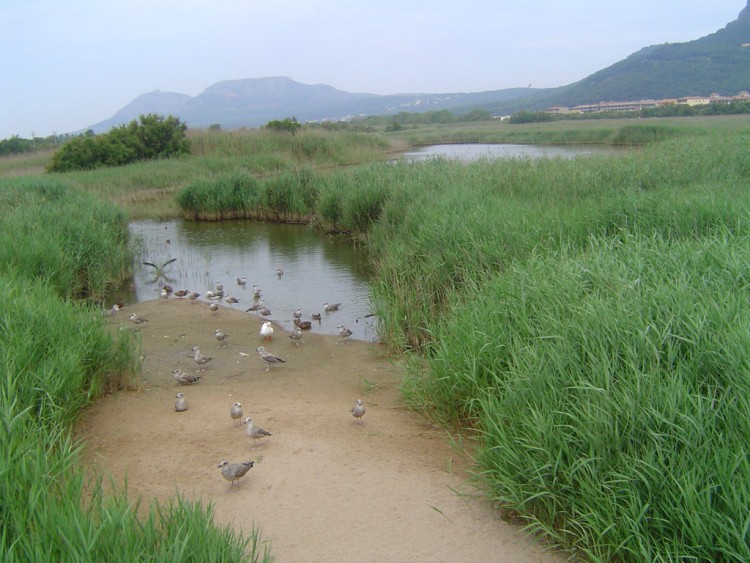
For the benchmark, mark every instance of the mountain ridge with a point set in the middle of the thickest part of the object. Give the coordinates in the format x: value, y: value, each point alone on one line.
x: 718, y: 62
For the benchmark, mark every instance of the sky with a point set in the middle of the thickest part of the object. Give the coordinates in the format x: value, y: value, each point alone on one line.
x: 68, y: 64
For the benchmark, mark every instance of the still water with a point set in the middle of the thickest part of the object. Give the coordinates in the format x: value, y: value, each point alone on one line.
x: 475, y: 151
x: 317, y: 269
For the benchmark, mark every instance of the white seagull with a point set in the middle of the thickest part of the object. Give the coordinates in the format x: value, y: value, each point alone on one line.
x: 199, y: 358
x: 180, y: 404
x: 266, y: 331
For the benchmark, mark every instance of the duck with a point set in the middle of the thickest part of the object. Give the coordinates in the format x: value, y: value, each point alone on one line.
x: 302, y: 325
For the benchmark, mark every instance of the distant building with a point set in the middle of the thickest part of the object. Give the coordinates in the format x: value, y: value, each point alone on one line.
x: 600, y: 107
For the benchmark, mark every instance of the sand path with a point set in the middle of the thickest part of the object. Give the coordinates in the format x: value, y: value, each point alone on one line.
x: 323, y: 488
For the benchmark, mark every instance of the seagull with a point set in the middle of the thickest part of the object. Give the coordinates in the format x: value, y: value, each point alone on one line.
x: 231, y: 300
x: 157, y: 268
x: 210, y: 294
x: 265, y: 311
x: 220, y: 336
x: 137, y: 319
x: 328, y: 307
x: 164, y: 294
x: 194, y: 295
x: 358, y: 411
x: 298, y: 313
x: 213, y: 306
x: 199, y: 358
x: 255, y: 306
x: 279, y: 272
x: 180, y: 404
x: 116, y: 308
x: 266, y: 331
x: 255, y: 432
x: 185, y: 378
x: 256, y: 292
x: 235, y: 411
x: 241, y: 281
x: 219, y: 286
x: 344, y: 332
x: 234, y: 471
x: 181, y: 293
x: 302, y: 325
x: 296, y: 335
x: 269, y: 358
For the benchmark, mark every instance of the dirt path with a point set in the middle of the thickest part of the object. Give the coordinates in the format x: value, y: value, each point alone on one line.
x: 323, y: 488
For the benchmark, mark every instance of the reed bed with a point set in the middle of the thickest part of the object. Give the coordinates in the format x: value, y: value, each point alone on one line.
x: 58, y: 357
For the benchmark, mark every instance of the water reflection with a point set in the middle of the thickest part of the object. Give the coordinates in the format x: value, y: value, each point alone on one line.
x: 474, y: 151
x: 316, y: 269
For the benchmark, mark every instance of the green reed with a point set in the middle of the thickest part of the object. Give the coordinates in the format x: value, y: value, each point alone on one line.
x: 75, y: 242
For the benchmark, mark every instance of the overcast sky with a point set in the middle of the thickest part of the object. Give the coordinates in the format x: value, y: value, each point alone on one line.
x: 68, y: 64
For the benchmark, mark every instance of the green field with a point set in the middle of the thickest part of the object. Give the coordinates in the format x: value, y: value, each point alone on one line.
x: 586, y: 320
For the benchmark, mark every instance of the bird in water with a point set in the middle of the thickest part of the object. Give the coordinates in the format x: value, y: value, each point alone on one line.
x: 316, y: 317
x: 298, y: 313
x: 358, y: 411
x: 255, y: 432
x: 279, y: 272
x: 266, y: 331
x: 241, y: 281
x: 180, y: 404
x: 235, y: 411
x: 160, y: 269
x: 234, y: 471
x: 269, y: 358
x: 328, y: 307
x: 256, y: 292
x: 302, y: 325
x: 265, y: 312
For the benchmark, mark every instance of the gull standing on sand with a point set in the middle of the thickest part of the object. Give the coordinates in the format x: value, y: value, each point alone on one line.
x: 137, y: 319
x: 185, y: 378
x: 180, y: 404
x: 234, y: 471
x: 296, y: 335
x: 231, y: 300
x: 269, y: 358
x: 199, y: 358
x: 214, y: 307
x: 235, y: 411
x: 344, y: 332
x: 220, y: 336
x: 266, y: 331
x: 255, y: 432
x: 358, y: 411
x: 193, y: 296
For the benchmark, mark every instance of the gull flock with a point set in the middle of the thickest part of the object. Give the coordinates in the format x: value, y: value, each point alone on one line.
x: 233, y: 472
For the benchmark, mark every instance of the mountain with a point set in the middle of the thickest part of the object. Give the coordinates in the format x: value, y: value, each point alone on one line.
x: 252, y: 102
x: 719, y: 62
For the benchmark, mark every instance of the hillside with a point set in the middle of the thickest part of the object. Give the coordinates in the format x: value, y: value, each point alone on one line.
x: 715, y: 63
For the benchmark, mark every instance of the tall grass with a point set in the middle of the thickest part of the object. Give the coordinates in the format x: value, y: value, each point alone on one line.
x: 58, y: 357
x: 611, y: 388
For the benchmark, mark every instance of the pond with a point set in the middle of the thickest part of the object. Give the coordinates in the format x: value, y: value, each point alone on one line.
x: 474, y: 151
x: 316, y: 269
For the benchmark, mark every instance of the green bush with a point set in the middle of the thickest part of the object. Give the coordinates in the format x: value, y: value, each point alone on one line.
x: 150, y: 138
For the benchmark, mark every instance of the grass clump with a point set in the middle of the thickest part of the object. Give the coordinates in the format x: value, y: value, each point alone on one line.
x: 57, y: 358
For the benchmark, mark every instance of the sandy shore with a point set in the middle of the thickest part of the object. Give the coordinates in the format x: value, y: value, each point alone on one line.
x: 323, y: 488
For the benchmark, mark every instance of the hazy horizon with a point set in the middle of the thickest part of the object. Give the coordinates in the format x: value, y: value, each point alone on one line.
x: 67, y: 67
